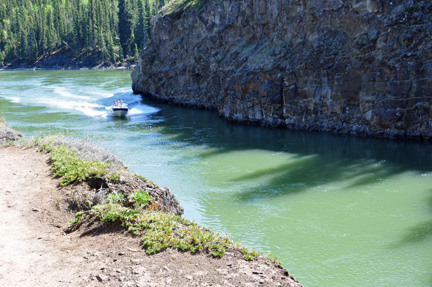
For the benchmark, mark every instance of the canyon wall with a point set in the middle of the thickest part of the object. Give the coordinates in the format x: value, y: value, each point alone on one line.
x: 358, y: 66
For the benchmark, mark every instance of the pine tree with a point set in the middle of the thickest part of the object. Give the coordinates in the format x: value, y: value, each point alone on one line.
x: 108, y: 30
x: 126, y: 26
x: 141, y: 25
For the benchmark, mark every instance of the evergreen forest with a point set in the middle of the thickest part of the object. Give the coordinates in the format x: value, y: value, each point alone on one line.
x: 105, y: 31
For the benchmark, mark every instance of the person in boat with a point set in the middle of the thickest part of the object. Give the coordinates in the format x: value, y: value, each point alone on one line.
x: 115, y: 104
x: 120, y: 101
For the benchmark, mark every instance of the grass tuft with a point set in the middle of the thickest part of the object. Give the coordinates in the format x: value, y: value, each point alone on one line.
x: 160, y: 231
x: 70, y: 168
x: 79, y: 160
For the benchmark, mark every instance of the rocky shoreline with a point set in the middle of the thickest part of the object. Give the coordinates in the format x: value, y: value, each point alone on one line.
x: 67, y: 67
x: 63, y: 61
x: 349, y: 67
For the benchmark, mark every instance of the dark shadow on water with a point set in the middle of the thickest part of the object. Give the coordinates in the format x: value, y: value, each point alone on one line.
x: 417, y: 233
x: 198, y: 127
x: 311, y: 172
x: 337, y: 155
x: 318, y: 158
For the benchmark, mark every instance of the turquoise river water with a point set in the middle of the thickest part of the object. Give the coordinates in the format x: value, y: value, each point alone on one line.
x: 336, y: 210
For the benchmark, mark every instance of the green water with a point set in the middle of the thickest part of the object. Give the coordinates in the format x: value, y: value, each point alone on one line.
x: 336, y: 210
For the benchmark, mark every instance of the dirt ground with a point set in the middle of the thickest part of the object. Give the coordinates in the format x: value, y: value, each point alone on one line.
x: 35, y: 251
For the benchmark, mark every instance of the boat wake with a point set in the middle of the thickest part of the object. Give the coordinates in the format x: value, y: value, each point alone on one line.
x: 96, y: 103
x: 93, y: 102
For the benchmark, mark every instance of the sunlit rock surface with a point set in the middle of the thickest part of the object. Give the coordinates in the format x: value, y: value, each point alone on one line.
x: 359, y: 66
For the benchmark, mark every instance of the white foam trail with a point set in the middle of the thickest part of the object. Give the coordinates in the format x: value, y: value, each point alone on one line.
x: 93, y: 113
x: 14, y: 99
x: 93, y: 103
x: 71, y: 101
x: 71, y: 105
x: 139, y: 110
x: 134, y: 111
x: 101, y: 95
x: 66, y: 94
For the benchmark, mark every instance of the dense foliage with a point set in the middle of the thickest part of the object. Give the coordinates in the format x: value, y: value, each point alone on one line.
x: 106, y: 30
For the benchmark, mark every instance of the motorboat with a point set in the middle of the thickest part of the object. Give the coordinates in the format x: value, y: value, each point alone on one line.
x: 119, y: 110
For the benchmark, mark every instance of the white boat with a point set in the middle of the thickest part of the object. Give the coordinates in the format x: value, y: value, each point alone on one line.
x: 120, y: 110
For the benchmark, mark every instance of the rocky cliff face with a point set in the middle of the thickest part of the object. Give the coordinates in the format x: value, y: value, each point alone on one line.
x: 355, y: 66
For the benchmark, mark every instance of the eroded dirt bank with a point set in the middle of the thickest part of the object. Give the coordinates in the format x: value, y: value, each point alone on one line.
x: 34, y: 250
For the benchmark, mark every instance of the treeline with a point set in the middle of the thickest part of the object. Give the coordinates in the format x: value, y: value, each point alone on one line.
x: 106, y: 30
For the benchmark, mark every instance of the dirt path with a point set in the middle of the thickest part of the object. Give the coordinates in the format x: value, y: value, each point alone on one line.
x: 29, y: 247
x: 34, y: 251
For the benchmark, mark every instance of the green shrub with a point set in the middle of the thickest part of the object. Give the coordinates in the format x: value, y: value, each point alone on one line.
x: 159, y: 231
x: 216, y: 250
x: 115, y: 198
x: 70, y: 168
x: 141, y: 197
x: 46, y: 143
x: 78, y: 217
x: 140, y: 177
x: 248, y: 254
x: 110, y: 213
x: 115, y: 176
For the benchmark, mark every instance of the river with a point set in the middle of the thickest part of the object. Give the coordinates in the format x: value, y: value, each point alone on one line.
x: 335, y: 210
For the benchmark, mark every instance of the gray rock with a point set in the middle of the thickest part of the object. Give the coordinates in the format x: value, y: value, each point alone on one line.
x: 336, y: 66
x: 101, y: 278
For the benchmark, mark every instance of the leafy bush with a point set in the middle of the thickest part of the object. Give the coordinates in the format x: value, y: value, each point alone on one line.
x: 160, y: 230
x: 141, y: 197
x: 78, y: 217
x: 79, y: 160
x: 70, y: 168
x: 248, y: 254
x: 113, y: 212
x: 115, y: 176
x: 115, y: 198
x: 84, y: 149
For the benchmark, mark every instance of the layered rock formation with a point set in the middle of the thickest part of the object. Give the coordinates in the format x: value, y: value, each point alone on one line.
x: 355, y: 66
